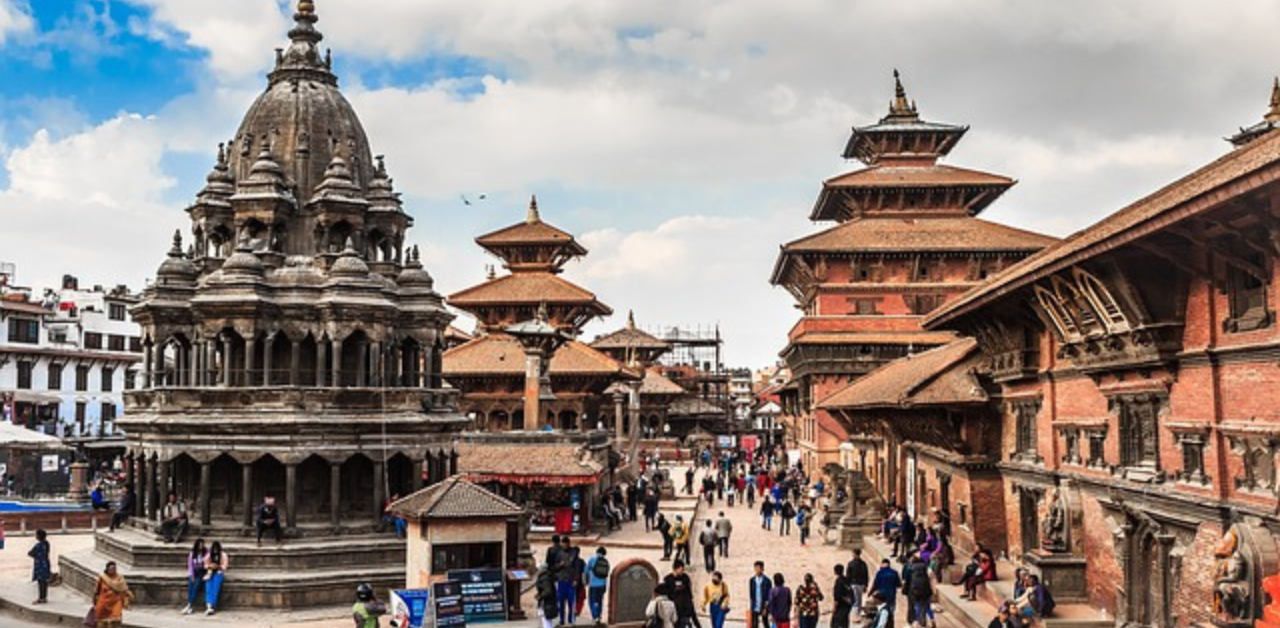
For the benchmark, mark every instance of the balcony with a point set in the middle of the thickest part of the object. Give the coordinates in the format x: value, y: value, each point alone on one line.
x: 1146, y: 346
x: 289, y: 398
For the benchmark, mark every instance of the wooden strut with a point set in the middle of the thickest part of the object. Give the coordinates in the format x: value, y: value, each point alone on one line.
x: 1230, y: 258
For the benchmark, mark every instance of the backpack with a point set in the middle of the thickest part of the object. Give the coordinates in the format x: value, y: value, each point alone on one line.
x: 600, y: 568
x: 654, y: 620
x: 920, y: 585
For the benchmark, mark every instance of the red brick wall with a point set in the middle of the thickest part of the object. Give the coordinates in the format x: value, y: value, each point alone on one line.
x: 1102, y: 571
x: 1193, y: 601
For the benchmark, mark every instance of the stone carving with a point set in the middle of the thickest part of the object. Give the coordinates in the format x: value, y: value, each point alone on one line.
x: 1054, y: 527
x: 1231, y: 590
x: 630, y: 589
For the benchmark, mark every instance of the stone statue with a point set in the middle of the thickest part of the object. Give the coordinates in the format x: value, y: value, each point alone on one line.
x: 1231, y: 595
x: 1054, y: 527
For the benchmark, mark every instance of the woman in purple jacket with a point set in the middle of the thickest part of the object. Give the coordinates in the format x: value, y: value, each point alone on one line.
x: 779, y: 605
x: 195, y: 573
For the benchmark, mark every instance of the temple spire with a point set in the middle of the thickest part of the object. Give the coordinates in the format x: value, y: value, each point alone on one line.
x: 176, y: 249
x: 901, y: 108
x: 631, y: 319
x: 1273, y: 114
x: 533, y: 217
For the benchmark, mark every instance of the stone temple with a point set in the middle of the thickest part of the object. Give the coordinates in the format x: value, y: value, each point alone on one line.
x: 292, y: 350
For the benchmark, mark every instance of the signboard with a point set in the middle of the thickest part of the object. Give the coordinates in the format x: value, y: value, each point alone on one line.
x: 484, y: 594
x: 750, y: 442
x: 448, y: 605
x: 725, y: 441
x: 409, y: 607
x: 49, y: 463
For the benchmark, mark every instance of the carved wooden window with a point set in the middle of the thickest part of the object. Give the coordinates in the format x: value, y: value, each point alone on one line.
x: 1247, y: 298
x: 1097, y: 448
x: 1055, y: 310
x: 1192, y: 445
x: 82, y: 378
x: 55, y: 377
x: 1259, y: 468
x: 1139, y: 429
x: 866, y: 307
x: 1107, y: 308
x: 1071, y: 438
x: 859, y: 270
x: 108, y: 376
x: 1025, y: 413
x: 924, y: 303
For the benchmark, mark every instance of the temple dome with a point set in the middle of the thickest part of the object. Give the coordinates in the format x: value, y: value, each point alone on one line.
x: 414, y: 274
x: 243, y: 262
x: 350, y: 264
x: 304, y: 119
x: 176, y: 268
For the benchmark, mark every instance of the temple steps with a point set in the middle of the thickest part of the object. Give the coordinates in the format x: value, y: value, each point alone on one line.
x: 143, y: 550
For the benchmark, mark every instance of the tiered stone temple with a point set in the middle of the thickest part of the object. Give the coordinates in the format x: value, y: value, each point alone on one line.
x: 293, y: 351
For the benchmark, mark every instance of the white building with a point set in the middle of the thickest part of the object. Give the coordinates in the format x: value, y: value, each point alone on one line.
x: 66, y: 359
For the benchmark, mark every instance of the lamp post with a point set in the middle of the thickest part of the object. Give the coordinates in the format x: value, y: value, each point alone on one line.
x: 540, y: 340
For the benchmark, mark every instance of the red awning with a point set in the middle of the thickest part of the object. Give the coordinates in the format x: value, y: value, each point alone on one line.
x: 529, y: 480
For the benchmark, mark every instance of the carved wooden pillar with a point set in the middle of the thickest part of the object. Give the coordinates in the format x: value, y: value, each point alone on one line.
x: 419, y: 472
x: 335, y: 494
x: 291, y: 494
x: 246, y: 493
x: 151, y: 488
x: 206, y: 492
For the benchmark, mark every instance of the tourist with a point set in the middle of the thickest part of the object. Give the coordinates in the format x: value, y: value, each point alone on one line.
x: 808, y: 599
x: 859, y: 578
x: 887, y: 583
x: 680, y: 532
x: 268, y: 519
x: 907, y: 536
x: 724, y: 528
x: 195, y: 573
x: 884, y: 611
x: 215, y: 571
x: 1020, y: 581
x: 766, y: 513
x: 566, y: 580
x: 41, y: 570
x: 787, y: 512
x: 579, y: 581
x: 984, y: 570
x: 779, y: 604
x: 553, y: 552
x: 1003, y: 618
x: 680, y: 588
x: 842, y: 597
x: 715, y: 599
x: 367, y: 608
x: 545, y: 586
x: 633, y: 502
x: 396, y: 522
x: 941, y: 559
x: 1035, y: 600
x: 804, y: 519
x: 650, y: 509
x: 930, y: 546
x: 908, y: 560
x: 173, y: 521
x: 597, y: 581
x: 111, y: 596
x: 759, y: 586
x: 127, y: 508
x: 920, y: 592
x: 97, y: 499
x: 661, y: 609
x: 664, y: 528
x: 688, y: 481
x: 750, y: 491
x: 709, y: 541
x: 610, y: 517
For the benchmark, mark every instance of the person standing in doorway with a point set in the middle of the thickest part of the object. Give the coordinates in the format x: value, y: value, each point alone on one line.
x: 597, y: 581
x: 41, y: 569
x: 724, y: 528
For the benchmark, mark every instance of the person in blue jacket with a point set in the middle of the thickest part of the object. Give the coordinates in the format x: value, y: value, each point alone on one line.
x: 886, y: 583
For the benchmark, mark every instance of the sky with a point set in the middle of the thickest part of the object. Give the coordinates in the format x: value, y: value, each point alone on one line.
x: 683, y: 141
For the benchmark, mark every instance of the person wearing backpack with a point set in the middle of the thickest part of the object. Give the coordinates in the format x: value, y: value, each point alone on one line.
x: 664, y: 528
x: 788, y: 513
x: 920, y: 592
x: 661, y: 612
x: 597, y: 581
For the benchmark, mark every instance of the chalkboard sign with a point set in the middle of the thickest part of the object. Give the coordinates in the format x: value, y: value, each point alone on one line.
x: 448, y: 605
x: 484, y: 594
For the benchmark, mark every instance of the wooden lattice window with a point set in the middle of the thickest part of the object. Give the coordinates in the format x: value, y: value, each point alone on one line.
x: 1025, y: 414
x: 1139, y: 429
x: 1247, y: 298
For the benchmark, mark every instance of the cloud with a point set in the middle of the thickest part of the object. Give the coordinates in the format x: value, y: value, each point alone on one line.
x: 15, y: 19
x: 239, y: 36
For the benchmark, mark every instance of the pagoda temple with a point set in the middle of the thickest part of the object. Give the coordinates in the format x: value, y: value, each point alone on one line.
x: 291, y: 352
x: 907, y: 239
x: 490, y: 370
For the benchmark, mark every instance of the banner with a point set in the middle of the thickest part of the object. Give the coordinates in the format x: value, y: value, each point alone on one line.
x: 409, y: 607
x: 484, y: 594
x: 448, y: 605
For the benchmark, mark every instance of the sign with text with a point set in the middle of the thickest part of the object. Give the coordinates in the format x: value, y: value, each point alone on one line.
x: 484, y: 594
x: 409, y: 607
x: 448, y: 605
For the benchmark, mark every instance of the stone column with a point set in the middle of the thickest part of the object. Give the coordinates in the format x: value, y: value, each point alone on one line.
x: 206, y: 493
x: 335, y: 494
x: 267, y: 361
x: 291, y: 494
x: 320, y: 363
x: 197, y: 363
x: 336, y: 350
x: 151, y: 488
x: 226, y: 361
x: 249, y: 347
x: 362, y: 363
x: 158, y: 369
x: 397, y: 367
x: 419, y: 471
x: 532, y: 390
x: 295, y: 358
x: 129, y: 462
x: 377, y: 363
x: 425, y: 357
x: 246, y: 494
x: 163, y: 484
x: 379, y: 492
x: 618, y: 398
x: 140, y: 488
x: 209, y: 375
x: 147, y: 381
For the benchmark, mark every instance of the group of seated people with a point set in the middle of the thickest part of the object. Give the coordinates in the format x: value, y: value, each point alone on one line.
x: 174, y: 523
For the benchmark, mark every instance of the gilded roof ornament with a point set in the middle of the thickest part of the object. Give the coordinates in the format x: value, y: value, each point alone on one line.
x: 901, y: 108
x: 1273, y: 114
x: 533, y: 216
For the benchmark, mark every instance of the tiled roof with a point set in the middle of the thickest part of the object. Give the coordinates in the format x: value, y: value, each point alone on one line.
x: 890, y: 176
x: 1245, y: 169
x: 525, y: 232
x: 875, y: 338
x: 654, y: 383
x: 883, y: 235
x: 941, y: 376
x: 524, y: 288
x: 693, y: 406
x: 629, y: 338
x: 24, y: 307
x: 455, y: 498
x: 499, y: 354
x: 531, y: 459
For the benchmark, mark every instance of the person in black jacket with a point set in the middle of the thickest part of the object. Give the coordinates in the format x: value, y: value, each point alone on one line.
x: 128, y: 507
x: 680, y: 590
x: 842, y: 596
x: 759, y: 586
x: 859, y: 579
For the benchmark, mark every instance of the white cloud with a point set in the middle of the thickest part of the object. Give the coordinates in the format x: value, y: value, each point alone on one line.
x: 239, y: 35
x: 15, y: 19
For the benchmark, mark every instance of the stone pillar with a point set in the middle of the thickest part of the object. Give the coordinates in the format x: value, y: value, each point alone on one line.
x: 79, y: 488
x: 162, y: 486
x: 320, y: 363
x: 147, y: 380
x: 129, y: 477
x: 197, y: 363
x: 335, y: 494
x: 379, y: 492
x: 397, y: 367
x: 267, y: 361
x: 532, y: 390
x: 618, y: 433
x: 291, y: 494
x: 249, y: 346
x: 419, y: 472
x: 151, y: 488
x: 362, y: 363
x: 377, y: 365
x: 226, y: 361
x: 295, y: 358
x: 246, y: 494
x: 425, y: 358
x: 206, y: 493
x: 210, y: 376
x: 159, y: 369
x: 336, y: 350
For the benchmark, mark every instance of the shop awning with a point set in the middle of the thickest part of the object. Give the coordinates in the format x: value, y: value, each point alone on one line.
x: 31, y: 396
x: 530, y: 480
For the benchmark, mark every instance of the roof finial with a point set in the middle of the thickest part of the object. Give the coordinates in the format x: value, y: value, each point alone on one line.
x: 1273, y: 115
x: 176, y: 250
x: 533, y: 216
x: 631, y: 320
x: 222, y: 154
x: 542, y: 311
x: 306, y: 7
x: 901, y: 107
x: 898, y: 90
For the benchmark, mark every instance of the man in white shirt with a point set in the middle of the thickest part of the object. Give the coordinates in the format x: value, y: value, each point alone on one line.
x: 173, y: 519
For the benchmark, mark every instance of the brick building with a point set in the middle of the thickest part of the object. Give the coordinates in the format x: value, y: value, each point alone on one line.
x: 1133, y: 368
x: 906, y: 239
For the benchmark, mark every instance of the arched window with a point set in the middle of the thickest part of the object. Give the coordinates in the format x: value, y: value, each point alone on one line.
x: 1100, y: 298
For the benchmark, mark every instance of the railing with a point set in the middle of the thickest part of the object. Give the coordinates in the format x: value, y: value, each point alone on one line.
x: 398, y: 399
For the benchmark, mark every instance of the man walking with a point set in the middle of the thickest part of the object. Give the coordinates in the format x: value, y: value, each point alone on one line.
x: 650, y: 509
x: 680, y: 533
x: 566, y: 577
x: 859, y: 578
x: 680, y: 590
x: 842, y: 595
x: 724, y: 528
x: 709, y: 540
x: 759, y: 586
x: 597, y: 580
x: 787, y: 512
x: 887, y: 583
x: 664, y: 528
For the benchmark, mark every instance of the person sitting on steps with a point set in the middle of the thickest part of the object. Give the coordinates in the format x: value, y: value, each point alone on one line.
x: 268, y: 519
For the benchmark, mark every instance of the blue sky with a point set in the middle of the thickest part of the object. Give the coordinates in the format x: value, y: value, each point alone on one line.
x: 682, y: 141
